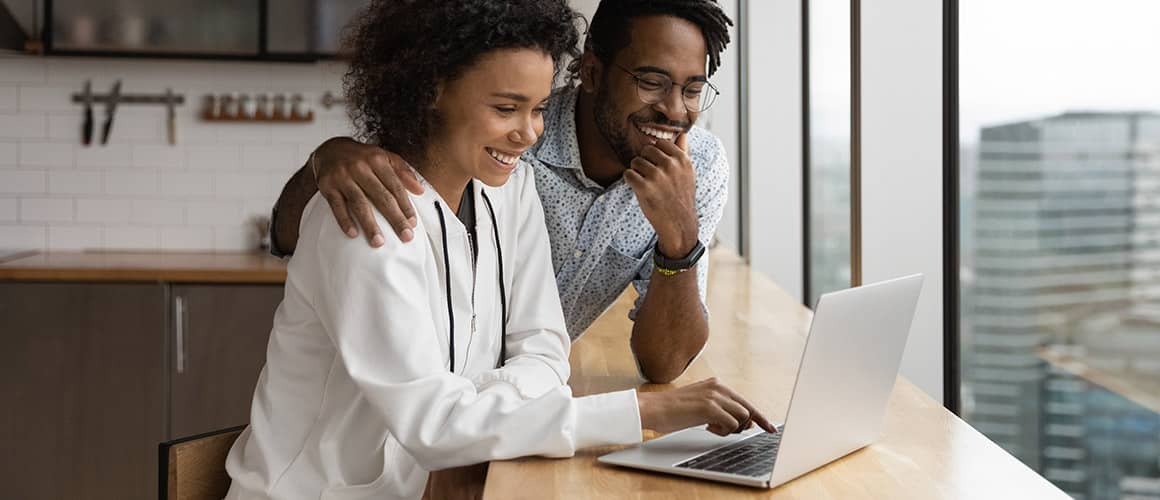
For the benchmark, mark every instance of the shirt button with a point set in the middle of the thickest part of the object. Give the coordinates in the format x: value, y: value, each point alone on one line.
x: 578, y: 254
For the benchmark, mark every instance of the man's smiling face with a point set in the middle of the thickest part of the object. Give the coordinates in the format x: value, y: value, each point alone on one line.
x: 661, y: 46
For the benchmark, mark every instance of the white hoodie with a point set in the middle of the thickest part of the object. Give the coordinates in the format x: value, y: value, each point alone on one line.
x: 357, y: 399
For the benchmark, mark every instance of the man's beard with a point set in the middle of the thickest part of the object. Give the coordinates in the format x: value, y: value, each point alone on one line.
x: 613, y: 132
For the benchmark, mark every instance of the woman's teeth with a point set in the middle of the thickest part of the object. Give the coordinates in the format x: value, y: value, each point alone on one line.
x: 659, y: 134
x: 502, y: 158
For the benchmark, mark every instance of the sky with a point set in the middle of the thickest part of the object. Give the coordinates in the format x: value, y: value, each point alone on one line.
x: 830, y: 69
x: 1021, y: 59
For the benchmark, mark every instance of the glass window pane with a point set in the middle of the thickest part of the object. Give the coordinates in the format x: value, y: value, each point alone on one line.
x: 1060, y: 238
x: 829, y: 147
x: 173, y: 26
x: 310, y: 26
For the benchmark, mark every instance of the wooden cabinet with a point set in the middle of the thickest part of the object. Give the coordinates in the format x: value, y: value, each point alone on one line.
x: 82, y: 390
x: 93, y: 376
x: 220, y: 334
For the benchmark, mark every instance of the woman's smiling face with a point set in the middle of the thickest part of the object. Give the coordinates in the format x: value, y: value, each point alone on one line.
x: 489, y: 116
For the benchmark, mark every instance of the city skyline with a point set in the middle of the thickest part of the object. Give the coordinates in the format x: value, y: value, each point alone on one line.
x: 1062, y: 237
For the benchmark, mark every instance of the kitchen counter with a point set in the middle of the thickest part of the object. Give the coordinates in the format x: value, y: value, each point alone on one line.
x: 173, y: 267
x: 7, y: 254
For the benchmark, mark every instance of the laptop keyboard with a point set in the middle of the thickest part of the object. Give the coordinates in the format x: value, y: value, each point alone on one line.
x: 752, y: 456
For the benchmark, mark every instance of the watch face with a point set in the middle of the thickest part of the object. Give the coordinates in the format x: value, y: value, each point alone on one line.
x: 696, y: 254
x: 679, y: 264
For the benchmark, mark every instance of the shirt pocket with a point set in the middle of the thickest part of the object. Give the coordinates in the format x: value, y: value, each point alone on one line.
x: 380, y: 487
x: 620, y: 266
x: 635, y: 237
x: 629, y: 252
x: 374, y: 489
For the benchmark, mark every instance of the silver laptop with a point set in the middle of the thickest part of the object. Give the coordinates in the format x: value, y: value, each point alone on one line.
x: 847, y: 372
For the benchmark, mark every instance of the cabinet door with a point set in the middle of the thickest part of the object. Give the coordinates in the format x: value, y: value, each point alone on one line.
x: 206, y: 27
x: 309, y: 26
x: 82, y: 390
x: 219, y: 337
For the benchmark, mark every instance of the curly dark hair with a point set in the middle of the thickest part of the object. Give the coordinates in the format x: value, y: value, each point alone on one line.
x: 400, y: 50
x: 610, y: 27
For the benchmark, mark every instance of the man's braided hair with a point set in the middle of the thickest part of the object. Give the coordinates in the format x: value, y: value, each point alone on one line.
x: 611, y: 26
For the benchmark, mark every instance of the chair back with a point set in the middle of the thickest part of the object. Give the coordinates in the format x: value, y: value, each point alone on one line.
x: 194, y: 468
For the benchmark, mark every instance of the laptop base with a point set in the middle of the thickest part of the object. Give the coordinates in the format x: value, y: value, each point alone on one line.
x: 662, y: 455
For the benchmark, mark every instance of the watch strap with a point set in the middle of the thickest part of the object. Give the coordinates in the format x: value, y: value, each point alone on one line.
x: 670, y: 267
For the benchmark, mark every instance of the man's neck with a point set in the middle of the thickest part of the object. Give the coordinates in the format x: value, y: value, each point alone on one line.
x: 596, y: 156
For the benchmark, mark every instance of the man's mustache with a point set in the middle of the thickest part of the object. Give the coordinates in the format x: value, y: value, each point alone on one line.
x: 662, y: 120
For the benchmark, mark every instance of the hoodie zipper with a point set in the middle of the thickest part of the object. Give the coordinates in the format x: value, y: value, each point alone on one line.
x: 474, y: 264
x: 474, y: 280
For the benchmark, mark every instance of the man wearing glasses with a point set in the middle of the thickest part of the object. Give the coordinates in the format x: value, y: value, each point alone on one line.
x: 632, y: 191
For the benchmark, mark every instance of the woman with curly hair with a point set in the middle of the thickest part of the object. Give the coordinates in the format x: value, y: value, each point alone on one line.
x: 386, y: 363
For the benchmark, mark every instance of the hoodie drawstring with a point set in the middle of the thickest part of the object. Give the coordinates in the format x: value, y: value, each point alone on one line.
x: 447, y: 279
x: 502, y: 286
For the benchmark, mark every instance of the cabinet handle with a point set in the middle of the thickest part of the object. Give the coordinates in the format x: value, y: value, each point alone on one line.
x: 179, y: 312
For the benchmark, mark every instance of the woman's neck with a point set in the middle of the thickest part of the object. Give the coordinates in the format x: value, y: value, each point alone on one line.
x: 449, y: 184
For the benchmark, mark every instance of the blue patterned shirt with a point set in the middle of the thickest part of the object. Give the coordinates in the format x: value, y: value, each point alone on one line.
x: 601, y: 241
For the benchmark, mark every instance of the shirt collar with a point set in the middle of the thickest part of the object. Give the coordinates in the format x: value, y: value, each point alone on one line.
x: 559, y: 146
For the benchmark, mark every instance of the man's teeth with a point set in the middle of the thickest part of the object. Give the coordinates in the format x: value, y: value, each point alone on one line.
x: 659, y: 134
x: 502, y: 158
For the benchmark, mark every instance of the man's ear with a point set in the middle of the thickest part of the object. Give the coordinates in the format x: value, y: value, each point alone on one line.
x: 591, y: 72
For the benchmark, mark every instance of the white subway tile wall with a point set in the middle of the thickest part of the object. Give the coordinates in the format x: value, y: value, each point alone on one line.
x: 9, y: 153
x: 9, y: 98
x: 74, y: 182
x: 138, y: 192
x: 9, y: 210
x: 62, y: 237
x: 46, y: 210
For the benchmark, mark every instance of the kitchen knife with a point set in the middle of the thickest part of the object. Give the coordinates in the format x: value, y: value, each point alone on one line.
x: 110, y: 108
x: 87, y: 121
x: 170, y: 118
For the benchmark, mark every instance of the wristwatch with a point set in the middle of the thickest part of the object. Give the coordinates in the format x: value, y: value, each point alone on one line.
x: 669, y: 267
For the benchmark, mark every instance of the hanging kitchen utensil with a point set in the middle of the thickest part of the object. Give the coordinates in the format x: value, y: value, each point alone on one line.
x: 110, y: 108
x: 170, y: 117
x: 87, y: 122
x: 111, y: 100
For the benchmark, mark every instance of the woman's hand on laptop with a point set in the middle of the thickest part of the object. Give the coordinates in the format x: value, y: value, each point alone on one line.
x: 705, y: 402
x: 357, y: 178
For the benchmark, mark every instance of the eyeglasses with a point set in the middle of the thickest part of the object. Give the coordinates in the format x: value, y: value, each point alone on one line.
x: 653, y: 87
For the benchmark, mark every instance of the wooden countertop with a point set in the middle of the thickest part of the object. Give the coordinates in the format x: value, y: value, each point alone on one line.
x: 178, y: 267
x: 758, y: 334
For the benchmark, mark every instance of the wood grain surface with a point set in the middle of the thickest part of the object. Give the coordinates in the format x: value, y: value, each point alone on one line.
x: 174, y: 267
x: 756, y: 341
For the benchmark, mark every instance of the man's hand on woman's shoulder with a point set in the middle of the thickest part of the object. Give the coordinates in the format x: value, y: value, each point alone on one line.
x: 357, y: 178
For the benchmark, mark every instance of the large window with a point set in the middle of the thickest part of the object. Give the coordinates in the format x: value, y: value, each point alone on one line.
x: 829, y: 147
x: 1059, y: 230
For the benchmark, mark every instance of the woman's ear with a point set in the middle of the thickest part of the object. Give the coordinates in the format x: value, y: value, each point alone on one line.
x: 591, y: 72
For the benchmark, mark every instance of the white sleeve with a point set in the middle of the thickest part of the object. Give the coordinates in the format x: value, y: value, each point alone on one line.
x: 373, y: 305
